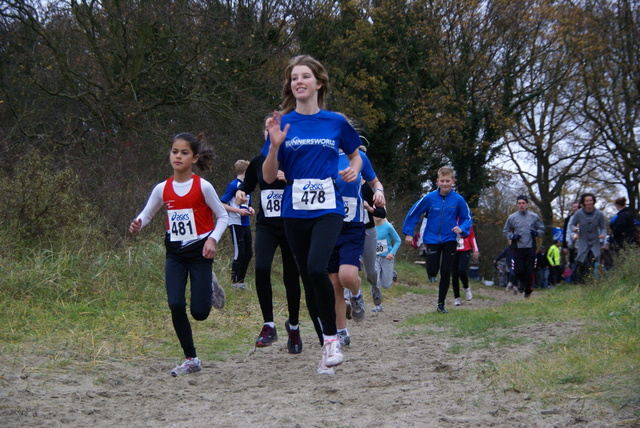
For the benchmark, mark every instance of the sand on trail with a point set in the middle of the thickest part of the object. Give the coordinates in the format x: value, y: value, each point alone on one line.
x: 393, y: 376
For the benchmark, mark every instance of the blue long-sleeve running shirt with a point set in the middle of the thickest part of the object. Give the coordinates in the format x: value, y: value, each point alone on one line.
x: 443, y: 213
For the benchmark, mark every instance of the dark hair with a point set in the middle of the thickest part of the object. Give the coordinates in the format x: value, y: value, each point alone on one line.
x: 523, y: 197
x: 199, y: 147
x: 585, y: 195
x: 621, y: 202
x: 320, y: 73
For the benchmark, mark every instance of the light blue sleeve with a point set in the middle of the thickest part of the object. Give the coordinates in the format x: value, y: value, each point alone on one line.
x: 396, y: 239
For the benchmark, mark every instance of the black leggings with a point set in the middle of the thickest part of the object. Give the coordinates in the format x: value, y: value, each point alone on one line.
x: 460, y: 267
x: 241, y: 236
x: 312, y: 241
x: 524, y: 264
x: 440, y: 258
x: 181, y: 264
x: 268, y: 238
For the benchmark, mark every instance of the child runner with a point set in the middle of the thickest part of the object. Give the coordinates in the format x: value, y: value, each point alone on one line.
x: 388, y: 244
x: 370, y: 239
x: 196, y: 219
x: 269, y: 235
x: 461, y: 260
x: 239, y: 225
x: 304, y: 140
x: 444, y: 209
x: 344, y: 263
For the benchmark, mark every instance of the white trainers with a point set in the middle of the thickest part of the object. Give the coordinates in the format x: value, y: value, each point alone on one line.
x: 468, y: 294
x: 238, y: 285
x: 322, y: 369
x: 457, y: 302
x: 217, y: 295
x: 377, y: 308
x: 190, y: 365
x: 331, y: 353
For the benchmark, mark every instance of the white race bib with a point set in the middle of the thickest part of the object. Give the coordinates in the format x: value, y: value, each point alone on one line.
x: 271, y: 202
x: 182, y: 225
x: 382, y: 246
x: 350, y: 207
x: 460, y: 241
x: 313, y: 194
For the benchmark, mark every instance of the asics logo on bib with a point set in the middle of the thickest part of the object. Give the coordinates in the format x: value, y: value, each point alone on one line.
x: 295, y: 143
x: 274, y: 195
x: 179, y: 217
x: 314, y: 186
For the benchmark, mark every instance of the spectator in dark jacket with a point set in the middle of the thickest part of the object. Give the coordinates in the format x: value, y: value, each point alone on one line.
x: 622, y: 225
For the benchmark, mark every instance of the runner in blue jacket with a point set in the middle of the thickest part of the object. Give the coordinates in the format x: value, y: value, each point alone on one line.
x: 448, y: 217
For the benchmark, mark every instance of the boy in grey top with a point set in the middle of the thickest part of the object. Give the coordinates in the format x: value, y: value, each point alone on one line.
x: 522, y: 228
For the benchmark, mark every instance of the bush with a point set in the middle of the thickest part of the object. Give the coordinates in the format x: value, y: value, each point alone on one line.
x: 43, y: 207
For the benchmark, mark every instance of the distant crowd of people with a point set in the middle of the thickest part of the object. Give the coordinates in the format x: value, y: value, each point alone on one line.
x: 585, y: 247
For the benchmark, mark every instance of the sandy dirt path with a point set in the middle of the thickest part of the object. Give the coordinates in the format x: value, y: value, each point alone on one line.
x: 393, y: 376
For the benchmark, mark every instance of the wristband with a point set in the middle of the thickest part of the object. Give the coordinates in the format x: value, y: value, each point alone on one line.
x: 379, y: 190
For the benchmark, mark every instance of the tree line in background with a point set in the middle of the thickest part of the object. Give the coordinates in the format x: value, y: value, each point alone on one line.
x: 91, y: 93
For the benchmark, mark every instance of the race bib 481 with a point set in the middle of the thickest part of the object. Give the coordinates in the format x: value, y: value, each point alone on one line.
x: 182, y: 225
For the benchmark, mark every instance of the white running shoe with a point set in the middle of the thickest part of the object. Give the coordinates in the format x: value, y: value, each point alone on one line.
x: 190, y: 365
x: 468, y: 294
x: 457, y: 302
x: 377, y: 308
x: 322, y: 369
x: 331, y: 353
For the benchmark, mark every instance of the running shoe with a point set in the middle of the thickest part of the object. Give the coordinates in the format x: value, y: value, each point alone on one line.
x: 323, y: 369
x: 190, y: 365
x: 440, y: 308
x: 376, y: 295
x: 238, y: 285
x: 467, y: 293
x: 349, y: 311
x: 395, y: 276
x: 344, y: 338
x: 331, y: 353
x: 358, y: 310
x: 377, y: 308
x: 294, y: 343
x: 267, y: 336
x: 217, y: 295
x: 457, y: 302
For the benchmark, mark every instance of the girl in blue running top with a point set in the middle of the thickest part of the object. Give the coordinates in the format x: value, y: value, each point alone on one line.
x: 196, y: 219
x: 304, y: 142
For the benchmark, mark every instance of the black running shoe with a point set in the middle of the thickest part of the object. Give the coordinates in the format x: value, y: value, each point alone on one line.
x: 440, y: 308
x: 294, y: 344
x: 267, y: 336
